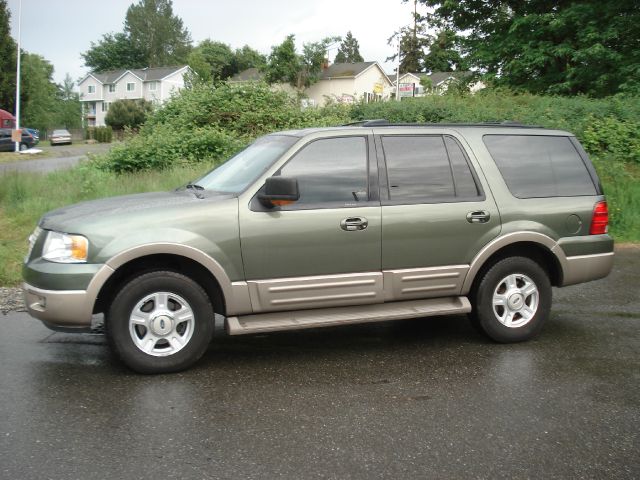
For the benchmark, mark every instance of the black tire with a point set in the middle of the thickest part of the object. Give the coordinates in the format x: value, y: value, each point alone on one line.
x: 180, y: 295
x: 525, y: 310
x: 23, y: 147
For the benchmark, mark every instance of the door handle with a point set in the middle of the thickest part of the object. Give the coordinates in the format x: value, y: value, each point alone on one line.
x: 352, y: 224
x: 479, y: 216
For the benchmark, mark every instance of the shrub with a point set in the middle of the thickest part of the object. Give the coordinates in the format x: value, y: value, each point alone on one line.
x: 128, y: 113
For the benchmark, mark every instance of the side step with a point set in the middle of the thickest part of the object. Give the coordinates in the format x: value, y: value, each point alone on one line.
x: 326, y: 317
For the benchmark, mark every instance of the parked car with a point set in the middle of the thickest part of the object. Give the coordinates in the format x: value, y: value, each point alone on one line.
x: 330, y: 226
x: 8, y: 145
x: 60, y: 137
x: 35, y: 133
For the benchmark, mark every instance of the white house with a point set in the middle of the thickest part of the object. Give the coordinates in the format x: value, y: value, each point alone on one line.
x: 410, y: 85
x: 350, y: 82
x: 99, y: 89
x: 340, y: 82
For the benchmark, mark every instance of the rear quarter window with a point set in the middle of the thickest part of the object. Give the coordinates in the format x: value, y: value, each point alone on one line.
x: 535, y: 166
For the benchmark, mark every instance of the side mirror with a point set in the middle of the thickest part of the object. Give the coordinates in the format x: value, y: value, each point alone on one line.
x: 279, y: 191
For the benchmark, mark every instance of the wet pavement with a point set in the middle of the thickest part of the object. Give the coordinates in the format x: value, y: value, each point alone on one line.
x: 412, y: 399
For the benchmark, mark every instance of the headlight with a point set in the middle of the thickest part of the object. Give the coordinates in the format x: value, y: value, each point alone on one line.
x: 63, y: 248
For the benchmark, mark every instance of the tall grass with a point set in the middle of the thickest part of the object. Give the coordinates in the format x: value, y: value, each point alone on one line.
x: 25, y: 197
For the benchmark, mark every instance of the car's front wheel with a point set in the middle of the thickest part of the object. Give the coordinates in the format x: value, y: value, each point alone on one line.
x: 512, y: 300
x: 160, y: 322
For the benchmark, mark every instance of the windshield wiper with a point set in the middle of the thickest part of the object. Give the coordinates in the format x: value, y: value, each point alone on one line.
x: 196, y: 188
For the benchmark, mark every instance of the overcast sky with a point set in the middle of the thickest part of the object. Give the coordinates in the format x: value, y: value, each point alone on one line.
x: 60, y: 30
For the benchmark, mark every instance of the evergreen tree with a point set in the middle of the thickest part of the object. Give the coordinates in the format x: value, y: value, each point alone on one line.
x: 114, y: 51
x: 444, y: 53
x: 157, y: 33
x: 284, y: 63
x: 7, y: 61
x: 349, y: 50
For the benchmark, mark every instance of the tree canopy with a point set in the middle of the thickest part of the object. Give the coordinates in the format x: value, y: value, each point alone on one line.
x: 349, y: 50
x: 152, y: 37
x: 564, y: 47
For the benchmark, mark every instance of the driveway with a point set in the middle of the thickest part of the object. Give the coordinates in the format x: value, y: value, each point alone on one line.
x: 59, y: 157
x: 421, y: 399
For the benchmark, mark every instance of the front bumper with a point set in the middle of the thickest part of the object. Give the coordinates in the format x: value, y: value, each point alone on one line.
x: 59, y: 309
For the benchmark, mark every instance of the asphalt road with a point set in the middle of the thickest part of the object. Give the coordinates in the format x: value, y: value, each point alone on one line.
x: 412, y: 399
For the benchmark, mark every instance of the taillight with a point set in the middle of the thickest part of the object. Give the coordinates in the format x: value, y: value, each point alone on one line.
x: 600, y: 219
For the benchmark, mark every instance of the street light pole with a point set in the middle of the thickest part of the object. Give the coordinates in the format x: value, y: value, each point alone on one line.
x: 398, y: 67
x: 18, y: 77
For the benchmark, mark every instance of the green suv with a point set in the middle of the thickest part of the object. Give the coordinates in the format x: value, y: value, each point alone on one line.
x: 330, y: 226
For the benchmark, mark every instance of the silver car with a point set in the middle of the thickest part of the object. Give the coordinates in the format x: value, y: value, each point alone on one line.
x: 60, y: 137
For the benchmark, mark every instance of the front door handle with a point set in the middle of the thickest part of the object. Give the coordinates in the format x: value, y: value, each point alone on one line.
x: 352, y: 224
x: 479, y: 216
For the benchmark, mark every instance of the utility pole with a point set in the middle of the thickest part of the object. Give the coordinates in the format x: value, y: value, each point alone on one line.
x: 398, y: 67
x: 18, y: 78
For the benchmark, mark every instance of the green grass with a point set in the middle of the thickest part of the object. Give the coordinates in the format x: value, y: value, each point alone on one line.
x: 24, y: 197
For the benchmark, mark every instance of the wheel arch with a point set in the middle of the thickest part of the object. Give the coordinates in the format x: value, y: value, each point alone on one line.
x: 180, y: 258
x: 536, y: 246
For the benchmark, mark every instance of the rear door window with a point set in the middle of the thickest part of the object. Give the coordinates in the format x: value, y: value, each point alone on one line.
x: 540, y: 166
x: 427, y: 169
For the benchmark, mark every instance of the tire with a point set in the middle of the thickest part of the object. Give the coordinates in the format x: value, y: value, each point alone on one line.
x: 512, y: 300
x: 160, y: 322
x: 23, y: 147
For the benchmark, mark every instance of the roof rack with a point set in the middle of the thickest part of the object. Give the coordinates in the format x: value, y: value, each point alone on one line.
x: 382, y: 122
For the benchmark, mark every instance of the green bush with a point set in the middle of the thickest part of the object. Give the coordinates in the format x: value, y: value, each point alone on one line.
x: 99, y: 134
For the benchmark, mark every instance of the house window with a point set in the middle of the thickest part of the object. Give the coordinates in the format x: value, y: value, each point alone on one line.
x: 91, y: 89
x: 153, y: 86
x: 131, y: 86
x: 105, y: 106
x: 112, y: 88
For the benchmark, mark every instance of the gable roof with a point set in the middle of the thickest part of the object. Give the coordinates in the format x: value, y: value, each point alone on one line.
x: 248, y: 75
x: 145, y: 74
x: 346, y: 70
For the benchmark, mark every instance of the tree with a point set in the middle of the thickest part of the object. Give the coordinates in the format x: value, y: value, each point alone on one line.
x: 156, y: 33
x: 444, y: 53
x: 128, y: 113
x: 566, y: 47
x: 7, y: 60
x: 314, y: 58
x: 68, y: 110
x: 212, y: 61
x: 413, y: 41
x: 349, y: 50
x: 247, y: 57
x: 37, y: 92
x: 284, y: 63
x: 114, y: 51
x: 287, y: 66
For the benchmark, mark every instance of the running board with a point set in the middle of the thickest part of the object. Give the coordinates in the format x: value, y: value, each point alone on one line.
x: 326, y: 317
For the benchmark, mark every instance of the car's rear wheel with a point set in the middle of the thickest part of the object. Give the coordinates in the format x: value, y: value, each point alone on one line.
x: 512, y: 300
x: 23, y: 147
x: 160, y: 322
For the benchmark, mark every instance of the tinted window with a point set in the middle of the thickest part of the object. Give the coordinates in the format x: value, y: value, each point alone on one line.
x: 332, y: 170
x: 540, y: 166
x: 464, y: 183
x: 425, y: 168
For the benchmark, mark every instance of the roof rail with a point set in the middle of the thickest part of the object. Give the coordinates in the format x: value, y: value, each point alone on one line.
x: 382, y: 122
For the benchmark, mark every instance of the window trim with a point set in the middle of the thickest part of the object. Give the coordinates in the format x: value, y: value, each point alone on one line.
x: 112, y: 88
x: 131, y: 89
x: 385, y: 194
x: 371, y: 178
x: 153, y: 84
x: 91, y: 89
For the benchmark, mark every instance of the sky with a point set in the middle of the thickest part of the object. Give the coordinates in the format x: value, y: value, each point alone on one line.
x: 60, y: 30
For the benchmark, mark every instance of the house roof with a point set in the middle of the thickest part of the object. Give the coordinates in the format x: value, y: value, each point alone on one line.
x: 346, y: 70
x: 436, y: 77
x: 145, y: 74
x: 248, y: 75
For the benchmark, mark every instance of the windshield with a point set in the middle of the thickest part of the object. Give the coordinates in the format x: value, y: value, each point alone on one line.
x: 239, y: 171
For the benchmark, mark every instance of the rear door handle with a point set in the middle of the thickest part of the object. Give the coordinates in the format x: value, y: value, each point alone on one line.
x: 352, y: 224
x: 479, y: 216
